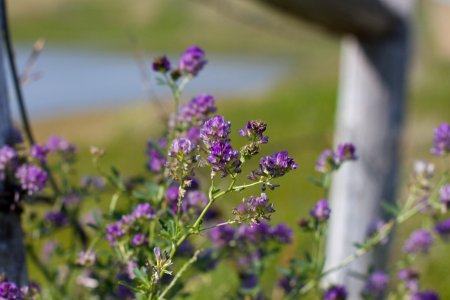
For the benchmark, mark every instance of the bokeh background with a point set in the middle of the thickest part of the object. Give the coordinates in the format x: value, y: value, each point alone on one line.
x: 88, y: 89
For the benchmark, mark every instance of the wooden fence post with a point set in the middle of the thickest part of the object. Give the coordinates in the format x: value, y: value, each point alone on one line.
x: 370, y: 114
x: 12, y: 251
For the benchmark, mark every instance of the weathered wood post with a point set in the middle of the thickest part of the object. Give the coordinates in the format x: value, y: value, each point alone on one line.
x: 12, y: 251
x: 370, y: 114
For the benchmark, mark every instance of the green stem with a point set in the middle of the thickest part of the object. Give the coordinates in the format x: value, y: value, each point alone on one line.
x: 179, y: 274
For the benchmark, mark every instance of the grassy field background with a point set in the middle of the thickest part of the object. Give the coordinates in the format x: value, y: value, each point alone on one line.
x: 299, y: 111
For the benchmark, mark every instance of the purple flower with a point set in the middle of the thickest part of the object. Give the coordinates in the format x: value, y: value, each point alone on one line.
x: 181, y: 147
x: 419, y: 241
x: 346, y: 151
x: 138, y: 240
x: 196, y: 111
x: 425, y: 295
x: 93, y: 181
x: 39, y: 152
x: 58, y: 144
x: 72, y: 200
x: 223, y: 158
x: 196, y: 199
x: 114, y: 232
x: 8, y: 156
x: 143, y: 211
x: 277, y: 164
x: 445, y: 194
x: 10, y: 291
x: 335, y: 292
x: 410, y: 278
x: 321, y: 211
x: 441, y: 140
x: 32, y: 178
x: 57, y: 218
x: 287, y: 284
x: 282, y: 233
x: 214, y: 130
x: 255, y: 233
x: 193, y: 134
x: 161, y: 64
x: 376, y: 284
x: 192, y: 60
x: 172, y: 194
x: 326, y: 162
x: 255, y: 208
x: 254, y: 130
x: 221, y: 236
x: 156, y: 160
x: 443, y: 229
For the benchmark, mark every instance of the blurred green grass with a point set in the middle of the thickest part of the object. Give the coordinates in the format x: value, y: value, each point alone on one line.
x: 299, y: 111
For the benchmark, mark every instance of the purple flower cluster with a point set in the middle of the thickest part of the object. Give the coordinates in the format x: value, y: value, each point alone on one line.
x: 10, y: 291
x: 95, y: 182
x: 39, y: 152
x: 138, y: 240
x: 335, y: 292
x: 275, y: 165
x: 425, y: 295
x: 193, y: 200
x: 444, y: 194
x: 443, y: 229
x: 32, y: 178
x: 254, y: 209
x: 222, y: 236
x: 58, y: 144
x: 376, y: 284
x: 374, y: 228
x: 215, y: 130
x: 117, y: 230
x: 254, y: 131
x: 255, y: 234
x: 420, y: 241
x: 330, y: 160
x: 410, y: 278
x: 56, y: 218
x: 8, y: 156
x: 196, y: 111
x: 161, y: 64
x: 156, y: 158
x: 192, y: 61
x: 321, y: 211
x: 441, y: 140
x: 223, y: 158
x: 180, y: 148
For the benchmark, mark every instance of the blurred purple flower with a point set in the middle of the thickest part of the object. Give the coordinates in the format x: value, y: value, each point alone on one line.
x: 221, y: 236
x: 192, y: 60
x: 325, y: 163
x: 282, y: 233
x: 344, y: 152
x: 445, y: 195
x: 425, y: 295
x: 181, y: 147
x: 321, y: 210
x: 143, y: 211
x: 32, y: 178
x: 138, y: 239
x: 156, y: 160
x: 441, y: 140
x: 410, y: 278
x: 336, y: 292
x: 443, y: 229
x: 39, y: 152
x: 86, y: 258
x: 376, y: 284
x: 7, y: 157
x: 215, y: 130
x: 419, y: 241
x: 56, y: 218
x: 58, y: 144
x: 197, y: 110
x: 161, y: 64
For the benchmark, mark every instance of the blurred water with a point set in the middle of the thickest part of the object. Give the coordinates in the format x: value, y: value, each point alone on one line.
x: 75, y: 80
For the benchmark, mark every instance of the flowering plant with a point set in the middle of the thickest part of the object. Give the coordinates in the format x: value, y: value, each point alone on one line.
x: 148, y: 237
